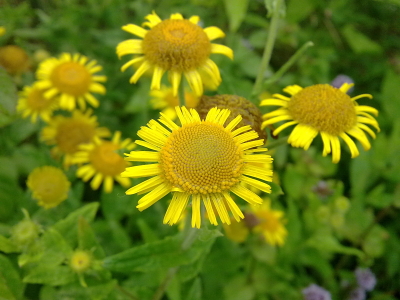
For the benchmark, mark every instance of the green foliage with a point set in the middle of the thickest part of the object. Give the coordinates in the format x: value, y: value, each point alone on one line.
x: 338, y: 216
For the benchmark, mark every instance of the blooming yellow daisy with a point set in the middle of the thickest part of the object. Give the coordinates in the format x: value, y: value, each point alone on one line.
x: 165, y: 100
x: 71, y: 77
x: 14, y: 59
x: 67, y: 133
x: 326, y: 110
x: 270, y: 223
x: 177, y: 45
x: 33, y: 103
x: 101, y: 160
x: 202, y: 160
x: 49, y: 186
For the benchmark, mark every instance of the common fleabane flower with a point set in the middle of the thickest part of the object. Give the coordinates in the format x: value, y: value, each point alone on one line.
x: 325, y: 110
x: 177, y: 46
x: 32, y: 103
x: 201, y: 161
x: 101, y: 161
x: 67, y: 133
x: 71, y: 78
x: 49, y: 186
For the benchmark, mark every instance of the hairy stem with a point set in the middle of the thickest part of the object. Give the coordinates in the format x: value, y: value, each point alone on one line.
x: 273, y: 29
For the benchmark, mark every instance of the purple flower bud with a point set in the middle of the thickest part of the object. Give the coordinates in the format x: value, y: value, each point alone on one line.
x: 338, y: 81
x: 365, y: 278
x: 315, y: 292
x: 357, y: 294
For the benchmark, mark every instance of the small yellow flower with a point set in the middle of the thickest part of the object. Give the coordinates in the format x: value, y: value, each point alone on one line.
x: 32, y: 103
x: 325, y: 110
x: 71, y: 77
x: 165, y: 100
x: 67, y: 133
x: 176, y: 45
x: 80, y: 261
x: 14, y: 59
x: 2, y: 30
x: 49, y: 186
x: 101, y: 160
x: 236, y: 231
x: 270, y: 223
x: 202, y: 160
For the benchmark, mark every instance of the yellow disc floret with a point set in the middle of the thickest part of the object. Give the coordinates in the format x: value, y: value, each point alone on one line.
x: 185, y: 46
x: 71, y: 78
x: 49, y: 186
x: 80, y: 261
x: 201, y: 158
x: 323, y: 107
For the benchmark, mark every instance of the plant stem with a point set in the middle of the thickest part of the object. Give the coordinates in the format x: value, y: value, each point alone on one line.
x: 190, y: 235
x: 125, y: 292
x: 181, y: 95
x: 289, y: 63
x: 277, y: 143
x: 273, y: 29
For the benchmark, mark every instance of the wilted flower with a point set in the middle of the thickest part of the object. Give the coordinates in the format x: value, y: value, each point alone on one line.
x: 14, y: 59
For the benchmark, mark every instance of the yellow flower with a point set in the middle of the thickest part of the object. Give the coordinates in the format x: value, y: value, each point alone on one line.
x: 80, y: 260
x: 49, y: 186
x: 14, y: 59
x: 176, y: 45
x: 2, y: 30
x: 71, y: 77
x: 270, y: 223
x: 203, y: 161
x: 165, y: 100
x: 103, y: 162
x: 67, y: 133
x: 236, y: 231
x: 326, y: 110
x: 32, y: 103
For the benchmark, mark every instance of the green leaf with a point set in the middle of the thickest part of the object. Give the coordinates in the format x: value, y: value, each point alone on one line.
x: 390, y: 94
x: 328, y: 243
x: 162, y: 254
x: 236, y: 11
x: 359, y: 42
x: 66, y: 227
x: 8, y: 98
x: 299, y: 10
x: 11, y: 286
x: 195, y: 291
x: 51, y: 275
x: 7, y: 246
x: 51, y: 250
x: 87, y: 239
x: 146, y: 231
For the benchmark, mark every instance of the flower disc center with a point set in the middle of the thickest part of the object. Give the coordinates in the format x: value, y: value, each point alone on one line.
x: 73, y: 133
x: 177, y: 45
x: 36, y: 100
x: 105, y: 159
x: 71, y: 78
x: 201, y: 158
x: 324, y: 108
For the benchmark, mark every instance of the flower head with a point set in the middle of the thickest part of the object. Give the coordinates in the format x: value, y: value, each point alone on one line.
x: 14, y: 59
x: 80, y: 261
x: 236, y: 231
x: 72, y: 79
x: 202, y: 160
x: 49, y: 186
x: 177, y: 45
x: 315, y: 292
x: 25, y: 232
x: 250, y: 113
x: 270, y: 223
x: 165, y: 100
x: 365, y: 278
x: 33, y: 103
x: 325, y: 110
x: 67, y: 133
x: 2, y: 30
x: 102, y: 162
